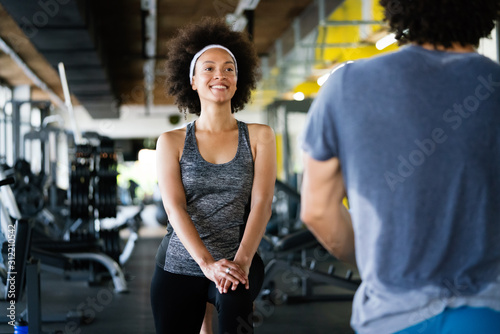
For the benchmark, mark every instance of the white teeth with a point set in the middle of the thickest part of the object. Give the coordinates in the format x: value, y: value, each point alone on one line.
x: 219, y: 87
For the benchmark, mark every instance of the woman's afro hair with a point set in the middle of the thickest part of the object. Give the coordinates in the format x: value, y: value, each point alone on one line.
x: 192, y: 39
x: 441, y: 22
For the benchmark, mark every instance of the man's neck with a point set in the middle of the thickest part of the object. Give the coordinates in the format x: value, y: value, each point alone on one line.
x: 455, y: 47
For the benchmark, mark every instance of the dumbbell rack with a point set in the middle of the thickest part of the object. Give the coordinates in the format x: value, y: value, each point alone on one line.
x: 92, y: 195
x: 93, y: 184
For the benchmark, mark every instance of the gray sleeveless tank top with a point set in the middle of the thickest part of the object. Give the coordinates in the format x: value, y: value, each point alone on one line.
x: 218, y: 202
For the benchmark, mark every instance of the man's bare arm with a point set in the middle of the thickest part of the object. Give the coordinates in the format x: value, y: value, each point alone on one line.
x: 322, y: 209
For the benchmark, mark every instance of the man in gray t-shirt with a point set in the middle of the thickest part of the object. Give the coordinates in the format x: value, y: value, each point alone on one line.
x: 413, y: 139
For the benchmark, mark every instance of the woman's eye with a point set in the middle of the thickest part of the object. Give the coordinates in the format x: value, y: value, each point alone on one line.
x: 229, y: 69
x: 208, y: 68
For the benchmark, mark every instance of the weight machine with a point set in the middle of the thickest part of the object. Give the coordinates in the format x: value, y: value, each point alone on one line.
x: 23, y: 272
x: 294, y: 259
x: 74, y: 215
x: 76, y: 243
x: 296, y: 263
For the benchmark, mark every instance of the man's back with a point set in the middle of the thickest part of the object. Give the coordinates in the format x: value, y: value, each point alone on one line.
x: 417, y: 133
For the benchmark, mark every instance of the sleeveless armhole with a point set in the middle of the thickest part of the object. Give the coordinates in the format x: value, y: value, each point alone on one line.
x: 246, y: 137
x: 188, y: 128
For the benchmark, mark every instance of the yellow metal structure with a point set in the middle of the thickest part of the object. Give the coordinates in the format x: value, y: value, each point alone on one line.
x: 350, y: 10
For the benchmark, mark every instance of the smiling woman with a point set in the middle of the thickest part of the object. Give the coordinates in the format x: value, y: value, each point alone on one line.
x: 216, y: 177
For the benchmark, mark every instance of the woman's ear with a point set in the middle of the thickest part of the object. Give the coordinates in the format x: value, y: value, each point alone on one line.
x: 193, y: 85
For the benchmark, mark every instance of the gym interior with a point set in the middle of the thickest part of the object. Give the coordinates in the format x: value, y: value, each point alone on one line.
x: 82, y: 103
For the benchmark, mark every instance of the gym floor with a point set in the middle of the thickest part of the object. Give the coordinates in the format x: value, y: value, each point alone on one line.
x: 109, y: 312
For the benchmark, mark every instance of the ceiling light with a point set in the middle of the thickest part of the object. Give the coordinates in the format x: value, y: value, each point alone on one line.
x: 299, y: 96
x: 237, y: 23
x: 246, y: 5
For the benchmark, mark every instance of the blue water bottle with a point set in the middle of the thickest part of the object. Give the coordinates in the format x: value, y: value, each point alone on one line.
x: 21, y: 327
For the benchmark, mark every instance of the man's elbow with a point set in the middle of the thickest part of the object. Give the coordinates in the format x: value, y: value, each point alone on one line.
x: 315, y: 222
x: 336, y: 247
x: 310, y: 216
x: 328, y: 240
x: 344, y: 254
x: 328, y: 234
x: 306, y: 217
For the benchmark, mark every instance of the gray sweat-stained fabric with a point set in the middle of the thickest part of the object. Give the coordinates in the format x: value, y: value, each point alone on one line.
x: 417, y: 133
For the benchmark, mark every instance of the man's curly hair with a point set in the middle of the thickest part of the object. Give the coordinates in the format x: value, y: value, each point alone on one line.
x: 441, y: 22
x: 192, y: 39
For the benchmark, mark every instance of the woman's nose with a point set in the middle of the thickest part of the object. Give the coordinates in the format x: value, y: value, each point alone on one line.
x: 219, y: 73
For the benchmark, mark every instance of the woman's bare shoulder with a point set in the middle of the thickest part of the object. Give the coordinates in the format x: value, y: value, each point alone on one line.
x: 173, y: 139
x: 260, y: 133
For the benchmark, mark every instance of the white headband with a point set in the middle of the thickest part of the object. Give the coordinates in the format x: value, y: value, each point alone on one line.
x: 208, y: 47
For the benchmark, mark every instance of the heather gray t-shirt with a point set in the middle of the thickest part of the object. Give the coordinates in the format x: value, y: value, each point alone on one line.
x: 218, y: 202
x: 417, y: 133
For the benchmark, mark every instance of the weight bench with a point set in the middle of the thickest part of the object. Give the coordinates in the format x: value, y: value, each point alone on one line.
x: 7, y: 198
x: 84, y: 251
x: 285, y: 251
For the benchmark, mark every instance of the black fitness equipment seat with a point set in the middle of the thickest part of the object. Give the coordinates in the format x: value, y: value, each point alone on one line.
x: 284, y: 265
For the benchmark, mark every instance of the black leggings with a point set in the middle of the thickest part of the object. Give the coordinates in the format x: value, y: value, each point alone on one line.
x: 178, y: 302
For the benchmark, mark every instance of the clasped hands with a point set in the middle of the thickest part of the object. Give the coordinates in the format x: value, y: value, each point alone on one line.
x: 226, y: 274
